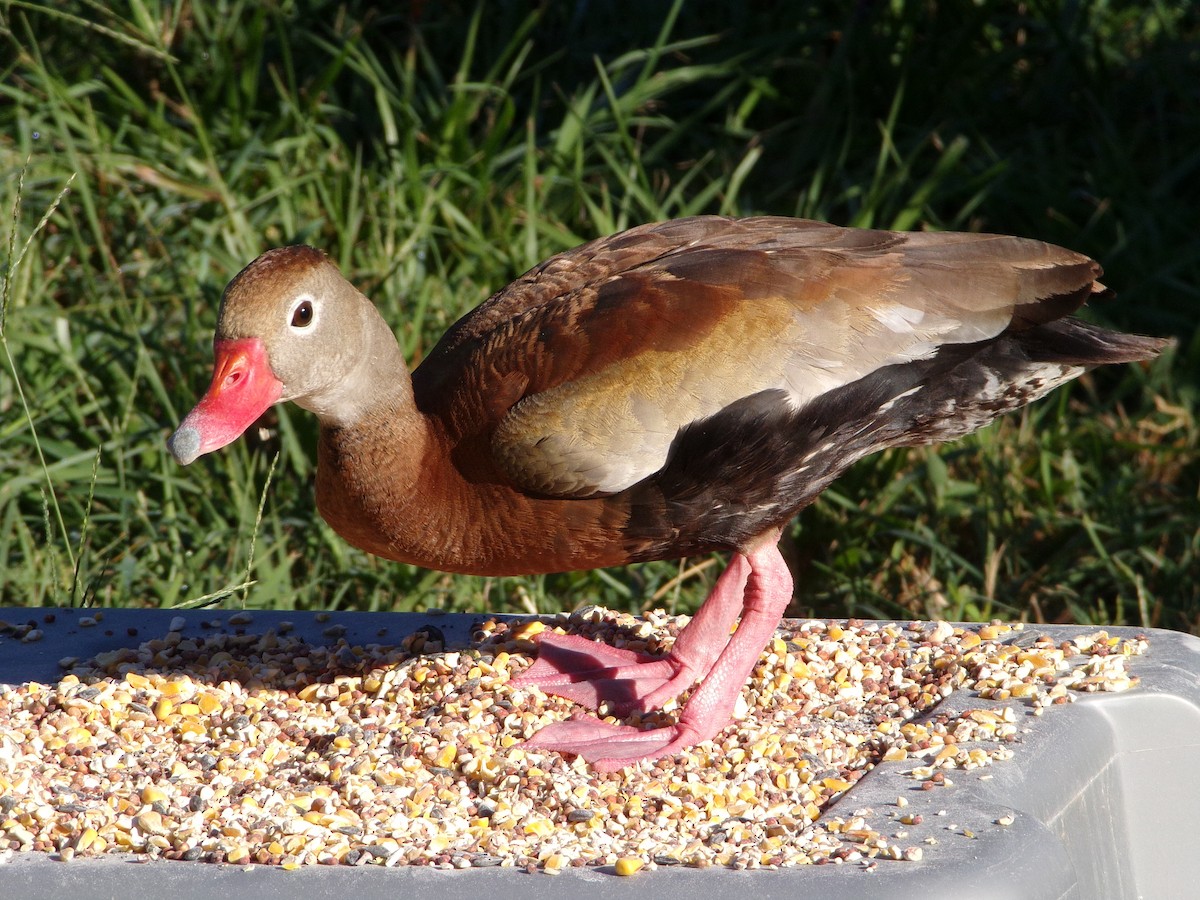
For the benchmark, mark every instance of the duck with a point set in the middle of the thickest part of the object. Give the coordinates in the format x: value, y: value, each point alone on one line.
x: 680, y: 388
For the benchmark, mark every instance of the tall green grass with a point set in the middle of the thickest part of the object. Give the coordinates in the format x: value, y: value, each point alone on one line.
x: 435, y: 153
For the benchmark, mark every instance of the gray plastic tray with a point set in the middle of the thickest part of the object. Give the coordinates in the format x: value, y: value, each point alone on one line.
x: 1105, y: 795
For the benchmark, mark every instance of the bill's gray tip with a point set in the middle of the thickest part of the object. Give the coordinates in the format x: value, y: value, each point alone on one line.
x: 184, y: 444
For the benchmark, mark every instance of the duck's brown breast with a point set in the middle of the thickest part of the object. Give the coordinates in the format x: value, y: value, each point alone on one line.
x: 438, y: 510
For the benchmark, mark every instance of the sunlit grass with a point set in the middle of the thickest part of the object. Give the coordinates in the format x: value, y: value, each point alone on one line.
x: 436, y: 158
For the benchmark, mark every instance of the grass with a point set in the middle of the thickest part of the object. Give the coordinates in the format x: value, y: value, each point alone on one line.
x: 435, y: 153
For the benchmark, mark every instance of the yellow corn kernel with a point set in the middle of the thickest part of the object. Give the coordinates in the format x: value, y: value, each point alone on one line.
x: 628, y: 865
x: 526, y: 630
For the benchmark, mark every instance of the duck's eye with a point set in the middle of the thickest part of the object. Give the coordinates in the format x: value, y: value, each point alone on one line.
x: 303, y: 315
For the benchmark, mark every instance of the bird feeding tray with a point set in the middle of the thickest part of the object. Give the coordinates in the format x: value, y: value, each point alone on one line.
x: 868, y: 759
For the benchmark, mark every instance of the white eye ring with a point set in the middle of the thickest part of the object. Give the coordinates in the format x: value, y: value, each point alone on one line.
x: 303, y: 314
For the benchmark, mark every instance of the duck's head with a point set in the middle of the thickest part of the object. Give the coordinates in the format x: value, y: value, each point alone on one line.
x: 290, y: 327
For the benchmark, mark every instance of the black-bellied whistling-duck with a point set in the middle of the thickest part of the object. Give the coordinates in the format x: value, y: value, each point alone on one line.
x: 675, y: 389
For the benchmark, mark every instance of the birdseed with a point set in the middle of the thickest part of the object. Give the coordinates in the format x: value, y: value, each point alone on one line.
x: 260, y: 748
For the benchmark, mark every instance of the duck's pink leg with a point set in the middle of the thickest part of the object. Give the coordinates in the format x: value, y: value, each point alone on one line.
x: 589, y: 672
x: 612, y: 747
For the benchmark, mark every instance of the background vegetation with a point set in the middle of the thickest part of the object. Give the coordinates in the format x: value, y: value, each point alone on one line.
x: 149, y: 149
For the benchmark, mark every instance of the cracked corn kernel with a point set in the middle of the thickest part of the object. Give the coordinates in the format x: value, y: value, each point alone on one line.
x: 86, y: 839
x: 309, y: 692
x: 527, y: 630
x: 540, y: 827
x: 238, y: 855
x: 628, y: 865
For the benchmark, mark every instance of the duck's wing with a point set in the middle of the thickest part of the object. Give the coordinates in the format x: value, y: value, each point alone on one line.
x: 582, y: 373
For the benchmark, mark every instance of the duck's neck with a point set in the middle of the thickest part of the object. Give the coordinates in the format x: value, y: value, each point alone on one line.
x: 373, y: 440
x: 374, y: 382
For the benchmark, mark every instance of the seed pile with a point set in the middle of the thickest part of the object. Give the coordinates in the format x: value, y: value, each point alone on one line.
x: 264, y: 749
